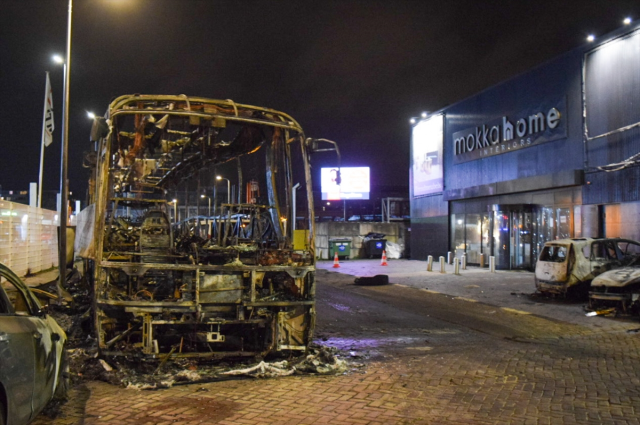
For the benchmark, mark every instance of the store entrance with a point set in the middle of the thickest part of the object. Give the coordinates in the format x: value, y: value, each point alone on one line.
x: 513, y: 233
x: 513, y: 236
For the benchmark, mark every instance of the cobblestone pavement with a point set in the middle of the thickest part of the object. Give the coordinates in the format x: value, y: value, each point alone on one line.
x: 558, y: 373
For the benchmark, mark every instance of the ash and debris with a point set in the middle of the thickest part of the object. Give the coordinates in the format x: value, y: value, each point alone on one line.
x: 74, y: 315
x: 152, y: 375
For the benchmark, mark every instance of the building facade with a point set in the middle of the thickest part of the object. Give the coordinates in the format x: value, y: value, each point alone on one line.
x: 550, y: 154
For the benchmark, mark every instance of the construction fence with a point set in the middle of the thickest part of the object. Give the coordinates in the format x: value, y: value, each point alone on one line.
x: 28, y: 238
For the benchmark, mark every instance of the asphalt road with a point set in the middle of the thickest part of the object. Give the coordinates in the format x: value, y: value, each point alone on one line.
x: 388, y: 320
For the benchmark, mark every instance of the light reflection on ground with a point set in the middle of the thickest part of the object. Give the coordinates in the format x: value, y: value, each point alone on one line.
x: 369, y: 343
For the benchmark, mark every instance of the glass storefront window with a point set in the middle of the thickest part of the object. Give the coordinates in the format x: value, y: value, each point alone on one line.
x: 514, y: 234
x: 563, y: 223
x: 474, y: 237
x: 457, y: 234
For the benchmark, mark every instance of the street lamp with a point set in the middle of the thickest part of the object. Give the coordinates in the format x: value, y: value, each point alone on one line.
x: 64, y: 183
x: 228, y: 188
x: 209, y: 198
x: 175, y: 210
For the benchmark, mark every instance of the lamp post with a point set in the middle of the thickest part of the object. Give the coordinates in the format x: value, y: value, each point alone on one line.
x: 228, y: 188
x: 209, y: 198
x: 64, y: 183
x: 175, y: 210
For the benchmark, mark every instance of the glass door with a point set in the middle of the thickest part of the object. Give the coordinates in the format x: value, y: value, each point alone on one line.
x: 501, y: 240
x: 521, y: 237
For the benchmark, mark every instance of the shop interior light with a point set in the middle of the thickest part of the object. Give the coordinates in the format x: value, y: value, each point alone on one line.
x: 591, y: 37
x: 627, y: 21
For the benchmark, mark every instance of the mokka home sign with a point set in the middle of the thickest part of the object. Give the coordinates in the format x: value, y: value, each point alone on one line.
x: 508, y: 134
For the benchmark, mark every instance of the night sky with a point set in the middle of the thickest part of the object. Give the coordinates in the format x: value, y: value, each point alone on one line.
x: 350, y: 71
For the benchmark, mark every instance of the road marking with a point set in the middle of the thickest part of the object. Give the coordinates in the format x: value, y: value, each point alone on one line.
x: 466, y: 299
x: 513, y: 310
x: 420, y: 348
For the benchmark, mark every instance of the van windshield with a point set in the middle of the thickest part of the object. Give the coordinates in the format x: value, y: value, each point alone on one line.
x: 554, y: 254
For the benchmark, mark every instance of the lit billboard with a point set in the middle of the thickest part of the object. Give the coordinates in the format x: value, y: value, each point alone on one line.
x: 354, y: 183
x: 426, y: 142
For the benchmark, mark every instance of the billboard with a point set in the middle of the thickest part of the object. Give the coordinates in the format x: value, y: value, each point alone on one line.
x: 354, y: 184
x: 426, y: 145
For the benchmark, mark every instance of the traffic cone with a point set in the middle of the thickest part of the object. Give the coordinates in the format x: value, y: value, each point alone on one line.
x: 336, y: 263
x: 384, y: 258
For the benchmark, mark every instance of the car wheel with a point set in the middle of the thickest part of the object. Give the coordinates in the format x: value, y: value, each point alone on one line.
x: 64, y: 378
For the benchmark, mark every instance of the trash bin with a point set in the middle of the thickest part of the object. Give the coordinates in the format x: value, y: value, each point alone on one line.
x: 373, y: 247
x: 341, y: 246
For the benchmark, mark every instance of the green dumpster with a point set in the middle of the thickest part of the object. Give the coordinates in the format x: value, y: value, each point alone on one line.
x: 341, y: 246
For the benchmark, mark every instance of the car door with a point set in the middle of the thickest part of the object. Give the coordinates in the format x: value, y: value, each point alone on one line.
x: 604, y: 256
x: 629, y: 251
x: 17, y: 354
x: 43, y: 339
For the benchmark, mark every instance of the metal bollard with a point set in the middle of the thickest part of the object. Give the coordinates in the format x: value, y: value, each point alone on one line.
x: 492, y: 264
x: 449, y: 258
x: 442, y: 265
x: 456, y: 266
x: 430, y: 263
x: 482, y: 260
x: 464, y: 262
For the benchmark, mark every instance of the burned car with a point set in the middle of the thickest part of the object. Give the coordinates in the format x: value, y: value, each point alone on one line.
x: 183, y: 266
x: 32, y: 357
x: 619, y: 288
x: 571, y: 264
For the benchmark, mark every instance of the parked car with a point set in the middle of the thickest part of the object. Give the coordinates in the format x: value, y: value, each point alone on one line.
x: 618, y: 288
x: 571, y: 264
x: 32, y: 357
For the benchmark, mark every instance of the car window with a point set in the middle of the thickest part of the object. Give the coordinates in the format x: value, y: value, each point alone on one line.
x: 586, y: 251
x: 21, y: 303
x: 554, y: 254
x: 603, y: 250
x: 17, y: 299
x: 629, y: 248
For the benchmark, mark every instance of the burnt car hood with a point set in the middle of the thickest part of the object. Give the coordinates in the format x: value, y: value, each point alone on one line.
x: 618, y: 278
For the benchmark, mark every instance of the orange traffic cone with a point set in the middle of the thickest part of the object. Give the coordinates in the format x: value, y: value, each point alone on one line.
x: 384, y: 258
x: 336, y: 263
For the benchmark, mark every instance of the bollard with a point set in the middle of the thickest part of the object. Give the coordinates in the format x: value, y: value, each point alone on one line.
x: 456, y: 266
x: 464, y: 262
x: 449, y: 258
x: 481, y: 260
x: 492, y: 264
x: 430, y: 263
x: 442, y: 265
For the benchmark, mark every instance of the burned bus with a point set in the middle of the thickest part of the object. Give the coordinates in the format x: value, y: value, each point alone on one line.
x: 199, y: 236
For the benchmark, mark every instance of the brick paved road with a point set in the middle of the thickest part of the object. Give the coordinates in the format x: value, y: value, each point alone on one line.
x: 435, y: 371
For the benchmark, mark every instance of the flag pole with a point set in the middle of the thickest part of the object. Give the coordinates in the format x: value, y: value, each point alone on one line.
x: 42, y: 142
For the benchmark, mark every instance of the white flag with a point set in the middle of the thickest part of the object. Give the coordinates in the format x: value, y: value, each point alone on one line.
x: 47, y: 135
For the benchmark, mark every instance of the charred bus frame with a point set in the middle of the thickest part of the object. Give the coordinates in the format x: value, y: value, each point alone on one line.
x: 231, y: 283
